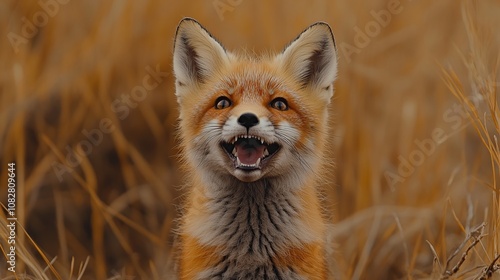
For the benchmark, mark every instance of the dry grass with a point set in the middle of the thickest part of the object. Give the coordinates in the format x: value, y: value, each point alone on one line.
x: 430, y: 73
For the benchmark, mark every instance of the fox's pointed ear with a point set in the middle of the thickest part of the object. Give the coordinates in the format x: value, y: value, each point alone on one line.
x: 312, y: 59
x: 197, y: 55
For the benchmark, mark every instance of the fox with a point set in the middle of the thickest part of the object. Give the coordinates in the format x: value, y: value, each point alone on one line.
x: 253, y: 133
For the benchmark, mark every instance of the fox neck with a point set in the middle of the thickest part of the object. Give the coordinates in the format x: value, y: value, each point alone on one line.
x: 251, y: 224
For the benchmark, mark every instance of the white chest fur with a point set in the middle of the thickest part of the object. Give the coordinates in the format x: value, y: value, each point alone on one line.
x: 251, y: 223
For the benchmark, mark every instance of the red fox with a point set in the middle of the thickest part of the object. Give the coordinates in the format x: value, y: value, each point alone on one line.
x: 253, y: 133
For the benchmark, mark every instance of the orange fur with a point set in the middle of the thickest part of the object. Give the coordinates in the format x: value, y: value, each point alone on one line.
x: 195, y: 257
x: 307, y: 259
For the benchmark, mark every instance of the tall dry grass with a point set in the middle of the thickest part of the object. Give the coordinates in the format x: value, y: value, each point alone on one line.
x: 429, y: 73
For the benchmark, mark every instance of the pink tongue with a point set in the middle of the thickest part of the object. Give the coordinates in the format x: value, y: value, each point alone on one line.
x: 249, y: 154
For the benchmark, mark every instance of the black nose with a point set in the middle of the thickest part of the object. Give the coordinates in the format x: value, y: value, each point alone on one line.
x: 248, y: 120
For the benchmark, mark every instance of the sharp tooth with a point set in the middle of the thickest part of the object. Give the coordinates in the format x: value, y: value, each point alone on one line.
x: 266, y: 152
x: 258, y: 162
x: 262, y: 141
x: 234, y: 151
x: 238, y: 162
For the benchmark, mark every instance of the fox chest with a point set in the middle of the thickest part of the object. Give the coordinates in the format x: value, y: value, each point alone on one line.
x: 252, y: 231
x: 252, y: 244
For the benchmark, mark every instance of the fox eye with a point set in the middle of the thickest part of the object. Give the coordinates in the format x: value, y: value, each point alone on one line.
x: 222, y: 102
x: 279, y: 104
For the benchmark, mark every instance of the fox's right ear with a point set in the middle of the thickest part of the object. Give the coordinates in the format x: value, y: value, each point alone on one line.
x: 197, y: 55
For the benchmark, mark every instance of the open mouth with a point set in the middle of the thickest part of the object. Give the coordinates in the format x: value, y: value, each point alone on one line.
x: 249, y: 152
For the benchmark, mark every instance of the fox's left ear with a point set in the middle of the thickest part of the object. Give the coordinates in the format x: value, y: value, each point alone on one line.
x: 312, y: 59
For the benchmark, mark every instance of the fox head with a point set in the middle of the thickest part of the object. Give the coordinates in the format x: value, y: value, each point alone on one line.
x: 252, y: 118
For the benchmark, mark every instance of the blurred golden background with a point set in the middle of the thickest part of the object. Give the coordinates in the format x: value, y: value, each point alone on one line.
x: 88, y: 114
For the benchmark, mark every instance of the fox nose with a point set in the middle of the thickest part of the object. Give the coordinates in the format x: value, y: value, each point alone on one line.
x: 248, y: 120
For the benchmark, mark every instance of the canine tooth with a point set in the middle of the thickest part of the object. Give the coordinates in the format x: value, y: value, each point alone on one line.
x: 238, y: 162
x: 234, y: 151
x: 257, y: 164
x: 266, y: 152
x: 262, y: 141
